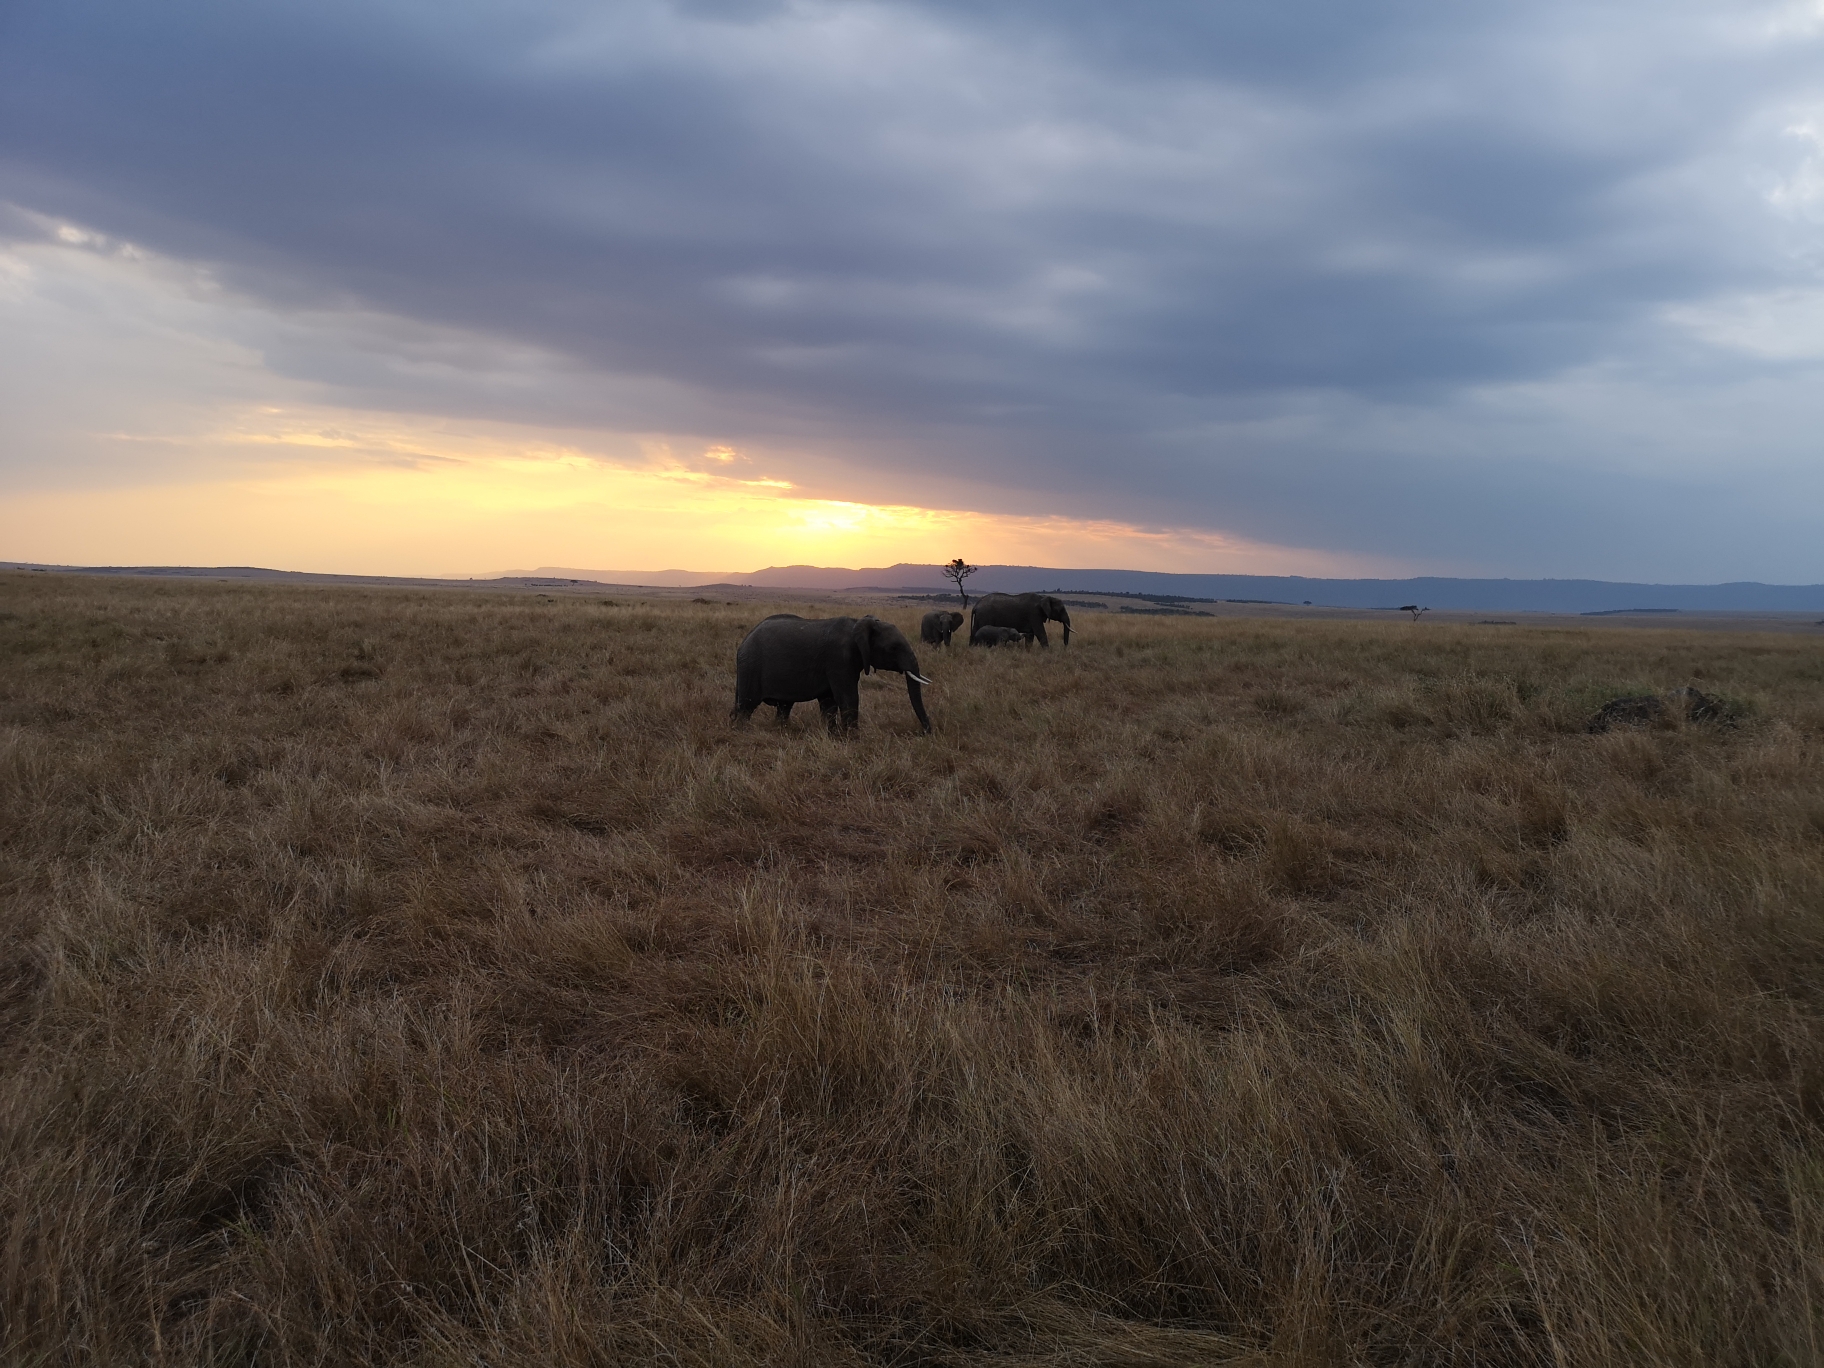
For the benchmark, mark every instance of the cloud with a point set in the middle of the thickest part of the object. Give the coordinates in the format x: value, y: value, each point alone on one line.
x: 1508, y: 288
x: 365, y: 496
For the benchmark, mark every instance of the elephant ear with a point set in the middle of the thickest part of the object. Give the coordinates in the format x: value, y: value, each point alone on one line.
x: 864, y: 642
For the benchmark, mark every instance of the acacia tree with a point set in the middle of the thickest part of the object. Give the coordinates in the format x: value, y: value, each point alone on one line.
x: 958, y: 570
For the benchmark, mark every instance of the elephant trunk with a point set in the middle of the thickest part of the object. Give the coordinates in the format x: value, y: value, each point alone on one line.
x: 917, y: 695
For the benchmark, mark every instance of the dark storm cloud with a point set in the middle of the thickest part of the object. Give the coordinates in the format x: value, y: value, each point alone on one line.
x: 1179, y: 260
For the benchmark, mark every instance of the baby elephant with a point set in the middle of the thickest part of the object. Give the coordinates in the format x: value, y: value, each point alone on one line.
x: 995, y: 636
x: 935, y: 628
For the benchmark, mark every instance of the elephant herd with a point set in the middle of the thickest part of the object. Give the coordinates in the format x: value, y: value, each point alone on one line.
x: 786, y: 659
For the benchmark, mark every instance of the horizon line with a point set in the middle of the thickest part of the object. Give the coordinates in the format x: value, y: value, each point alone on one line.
x: 650, y: 578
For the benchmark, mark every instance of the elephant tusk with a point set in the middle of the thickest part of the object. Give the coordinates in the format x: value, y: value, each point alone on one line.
x: 920, y: 678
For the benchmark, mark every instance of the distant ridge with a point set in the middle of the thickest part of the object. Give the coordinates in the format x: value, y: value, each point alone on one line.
x: 1591, y: 597
x: 1510, y: 595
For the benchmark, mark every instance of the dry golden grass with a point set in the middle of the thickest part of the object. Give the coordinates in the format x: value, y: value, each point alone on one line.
x: 426, y: 978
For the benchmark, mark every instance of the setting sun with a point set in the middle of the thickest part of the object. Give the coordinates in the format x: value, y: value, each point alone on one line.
x: 388, y: 494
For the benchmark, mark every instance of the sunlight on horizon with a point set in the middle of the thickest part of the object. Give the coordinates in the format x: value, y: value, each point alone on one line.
x: 384, y: 494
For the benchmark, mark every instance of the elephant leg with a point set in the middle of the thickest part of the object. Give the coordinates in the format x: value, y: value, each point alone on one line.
x: 782, y: 713
x: 1038, y: 632
x: 848, y: 699
x: 748, y: 693
x: 831, y: 715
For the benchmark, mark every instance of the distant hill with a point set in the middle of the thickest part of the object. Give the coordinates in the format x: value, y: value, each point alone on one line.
x: 1483, y: 595
x: 1511, y: 595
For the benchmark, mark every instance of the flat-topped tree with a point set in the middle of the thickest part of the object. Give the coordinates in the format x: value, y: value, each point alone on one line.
x: 959, y: 570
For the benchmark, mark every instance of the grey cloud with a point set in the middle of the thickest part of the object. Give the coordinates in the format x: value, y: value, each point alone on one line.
x: 1139, y: 257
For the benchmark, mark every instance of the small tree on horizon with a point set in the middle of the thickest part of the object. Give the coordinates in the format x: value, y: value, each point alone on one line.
x: 959, y: 570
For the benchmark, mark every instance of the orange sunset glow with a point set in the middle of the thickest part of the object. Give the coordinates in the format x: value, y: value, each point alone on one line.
x: 386, y: 494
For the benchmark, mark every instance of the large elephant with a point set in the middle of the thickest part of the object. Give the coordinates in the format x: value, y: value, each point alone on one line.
x: 787, y: 659
x: 936, y: 627
x: 1027, y: 614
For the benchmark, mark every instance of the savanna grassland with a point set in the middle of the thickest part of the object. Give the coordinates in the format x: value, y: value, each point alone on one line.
x: 435, y: 978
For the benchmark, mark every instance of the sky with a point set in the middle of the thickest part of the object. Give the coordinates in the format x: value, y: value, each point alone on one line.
x: 1305, y: 287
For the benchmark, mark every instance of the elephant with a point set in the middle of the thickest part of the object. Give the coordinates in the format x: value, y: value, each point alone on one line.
x: 1027, y: 614
x: 936, y: 627
x: 787, y: 659
x: 995, y: 636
